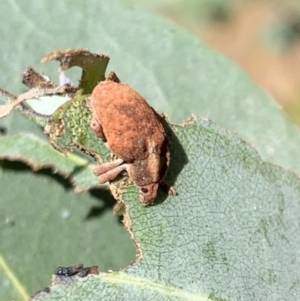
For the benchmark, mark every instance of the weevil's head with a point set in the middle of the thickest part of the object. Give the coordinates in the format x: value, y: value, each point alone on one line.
x: 148, y: 193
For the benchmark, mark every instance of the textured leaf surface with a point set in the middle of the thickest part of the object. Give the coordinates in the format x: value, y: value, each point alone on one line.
x: 69, y: 126
x: 230, y: 234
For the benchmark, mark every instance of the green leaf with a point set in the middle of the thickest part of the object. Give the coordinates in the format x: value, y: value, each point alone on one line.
x: 44, y: 225
x: 178, y: 75
x: 231, y: 233
x: 39, y: 154
x: 69, y: 126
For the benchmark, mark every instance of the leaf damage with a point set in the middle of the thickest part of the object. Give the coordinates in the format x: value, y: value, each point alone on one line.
x: 68, y: 126
x: 93, y: 65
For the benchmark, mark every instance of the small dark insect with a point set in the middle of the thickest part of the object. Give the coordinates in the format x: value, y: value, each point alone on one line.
x: 78, y: 270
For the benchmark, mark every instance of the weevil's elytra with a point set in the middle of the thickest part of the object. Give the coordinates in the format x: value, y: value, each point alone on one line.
x: 134, y: 133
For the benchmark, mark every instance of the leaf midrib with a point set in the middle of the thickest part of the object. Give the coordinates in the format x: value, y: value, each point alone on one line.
x: 138, y: 282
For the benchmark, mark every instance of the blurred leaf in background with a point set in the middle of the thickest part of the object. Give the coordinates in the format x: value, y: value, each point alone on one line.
x: 262, y: 36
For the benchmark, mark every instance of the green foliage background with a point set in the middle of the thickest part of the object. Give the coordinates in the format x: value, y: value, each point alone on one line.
x: 43, y: 224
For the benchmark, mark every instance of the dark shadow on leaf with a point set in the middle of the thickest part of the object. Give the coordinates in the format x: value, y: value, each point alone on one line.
x: 22, y: 167
x: 104, y: 196
x: 178, y: 160
x: 3, y: 130
x: 107, y: 201
x: 78, y: 170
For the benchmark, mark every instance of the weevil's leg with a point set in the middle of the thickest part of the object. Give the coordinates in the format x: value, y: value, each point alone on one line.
x: 172, y: 191
x: 105, y: 167
x: 167, y: 188
x: 97, y: 128
x: 111, y: 174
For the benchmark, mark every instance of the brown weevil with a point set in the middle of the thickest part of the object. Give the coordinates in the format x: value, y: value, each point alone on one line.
x: 134, y: 133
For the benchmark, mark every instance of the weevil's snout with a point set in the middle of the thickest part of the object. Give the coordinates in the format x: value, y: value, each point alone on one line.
x: 148, y: 193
